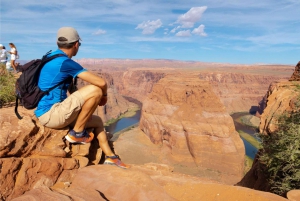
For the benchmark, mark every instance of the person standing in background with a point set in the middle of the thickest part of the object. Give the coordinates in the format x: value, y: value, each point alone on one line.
x: 3, y: 55
x: 6, y: 53
x: 13, y: 56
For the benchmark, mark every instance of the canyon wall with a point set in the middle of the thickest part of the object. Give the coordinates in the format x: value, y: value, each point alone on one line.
x: 238, y: 91
x: 136, y: 83
x: 187, y: 118
x: 281, y: 97
x: 240, y: 87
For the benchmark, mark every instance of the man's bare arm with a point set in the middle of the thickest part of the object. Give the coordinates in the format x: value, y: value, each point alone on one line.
x: 94, y: 79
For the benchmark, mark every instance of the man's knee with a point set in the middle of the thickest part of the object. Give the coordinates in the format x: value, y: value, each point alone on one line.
x: 91, y: 91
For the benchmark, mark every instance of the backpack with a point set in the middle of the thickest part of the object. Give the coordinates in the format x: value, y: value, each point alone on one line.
x: 27, y: 89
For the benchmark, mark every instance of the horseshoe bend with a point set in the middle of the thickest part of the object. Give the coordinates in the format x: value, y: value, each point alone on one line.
x: 186, y: 146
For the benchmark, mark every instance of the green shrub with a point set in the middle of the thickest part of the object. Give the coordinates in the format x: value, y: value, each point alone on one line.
x: 281, y: 154
x: 7, y: 86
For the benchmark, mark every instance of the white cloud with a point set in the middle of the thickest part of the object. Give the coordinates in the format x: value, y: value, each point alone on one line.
x: 99, y: 32
x: 149, y: 27
x: 174, y: 30
x: 188, y: 19
x: 186, y: 33
x: 199, y: 31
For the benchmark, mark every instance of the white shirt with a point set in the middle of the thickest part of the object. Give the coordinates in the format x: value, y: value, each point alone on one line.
x: 3, y: 55
x: 13, y: 55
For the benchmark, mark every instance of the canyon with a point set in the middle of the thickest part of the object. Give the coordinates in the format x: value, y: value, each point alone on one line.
x: 185, y: 127
x: 239, y: 87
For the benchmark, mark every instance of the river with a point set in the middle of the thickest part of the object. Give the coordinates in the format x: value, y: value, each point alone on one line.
x: 130, y: 121
x: 250, y: 149
x: 124, y: 123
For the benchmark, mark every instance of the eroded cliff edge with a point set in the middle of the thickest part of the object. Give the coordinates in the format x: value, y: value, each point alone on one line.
x: 187, y: 118
x: 282, y: 97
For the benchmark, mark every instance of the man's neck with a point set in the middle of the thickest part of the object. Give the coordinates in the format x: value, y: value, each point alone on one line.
x: 68, y: 52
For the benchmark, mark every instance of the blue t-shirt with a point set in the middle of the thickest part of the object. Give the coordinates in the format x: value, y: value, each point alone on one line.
x: 54, y: 72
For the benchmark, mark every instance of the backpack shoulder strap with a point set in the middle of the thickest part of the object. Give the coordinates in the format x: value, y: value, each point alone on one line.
x: 46, y: 59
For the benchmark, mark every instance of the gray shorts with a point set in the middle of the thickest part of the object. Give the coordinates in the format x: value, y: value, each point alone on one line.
x: 63, y: 114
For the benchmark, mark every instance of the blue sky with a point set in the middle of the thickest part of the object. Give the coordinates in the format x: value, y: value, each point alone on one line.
x: 231, y: 31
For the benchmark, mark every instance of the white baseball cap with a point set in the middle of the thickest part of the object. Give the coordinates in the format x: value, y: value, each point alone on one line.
x: 1, y: 45
x: 69, y: 34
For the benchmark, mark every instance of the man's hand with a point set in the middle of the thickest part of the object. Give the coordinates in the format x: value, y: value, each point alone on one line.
x: 103, y: 101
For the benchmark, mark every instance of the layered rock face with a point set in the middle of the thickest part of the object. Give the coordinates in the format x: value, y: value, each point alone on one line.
x: 296, y: 74
x: 240, y: 87
x: 188, y: 119
x: 281, y: 98
x: 33, y: 156
x: 238, y: 91
x: 138, y: 83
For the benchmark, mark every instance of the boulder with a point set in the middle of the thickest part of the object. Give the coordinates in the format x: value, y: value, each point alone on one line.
x: 33, y: 156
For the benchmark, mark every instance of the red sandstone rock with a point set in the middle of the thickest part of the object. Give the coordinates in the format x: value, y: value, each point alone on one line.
x: 44, y: 151
x: 139, y: 83
x: 281, y: 98
x: 189, y: 120
x: 293, y: 195
x: 296, y: 74
x: 36, y: 172
x: 33, y: 156
x: 147, y: 182
x: 112, y: 183
x: 42, y: 194
x: 240, y: 87
x: 255, y: 178
x: 237, y: 91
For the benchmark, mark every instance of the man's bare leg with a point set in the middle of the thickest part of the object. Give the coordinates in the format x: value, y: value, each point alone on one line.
x: 111, y: 159
x: 96, y: 123
x: 92, y: 95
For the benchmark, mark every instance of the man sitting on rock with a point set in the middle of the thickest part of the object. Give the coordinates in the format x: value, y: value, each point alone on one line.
x: 57, y: 109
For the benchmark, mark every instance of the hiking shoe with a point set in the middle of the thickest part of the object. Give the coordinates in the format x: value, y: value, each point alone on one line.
x: 80, y: 137
x: 115, y: 160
